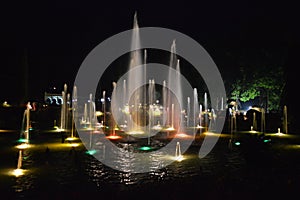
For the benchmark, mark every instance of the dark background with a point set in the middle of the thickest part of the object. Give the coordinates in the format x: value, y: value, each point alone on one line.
x: 43, y: 43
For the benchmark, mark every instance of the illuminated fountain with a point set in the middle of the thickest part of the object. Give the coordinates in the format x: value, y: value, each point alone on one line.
x: 135, y: 78
x: 64, y: 109
x: 197, y: 111
x: 254, y: 122
x: 145, y: 110
x: 188, y: 112
x: 25, y: 129
x: 173, y: 104
x: 196, y: 108
x: 19, y: 171
x: 284, y: 123
x: 84, y: 119
x: 205, y: 110
x: 113, y: 135
x: 232, y: 126
x: 73, y: 117
x: 19, y: 165
x: 178, y: 155
x: 103, y: 124
x: 74, y: 111
x: 151, y: 111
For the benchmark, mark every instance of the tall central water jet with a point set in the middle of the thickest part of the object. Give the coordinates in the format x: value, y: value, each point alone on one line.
x: 135, y: 78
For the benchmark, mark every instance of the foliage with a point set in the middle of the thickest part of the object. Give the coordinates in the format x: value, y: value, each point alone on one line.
x: 265, y: 82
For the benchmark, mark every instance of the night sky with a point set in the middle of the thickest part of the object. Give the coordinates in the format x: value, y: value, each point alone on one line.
x: 52, y: 38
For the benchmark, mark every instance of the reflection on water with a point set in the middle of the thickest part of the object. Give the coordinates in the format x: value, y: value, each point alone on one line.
x: 60, y: 170
x: 176, y: 171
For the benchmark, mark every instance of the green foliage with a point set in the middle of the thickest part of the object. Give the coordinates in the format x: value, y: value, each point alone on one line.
x: 265, y: 81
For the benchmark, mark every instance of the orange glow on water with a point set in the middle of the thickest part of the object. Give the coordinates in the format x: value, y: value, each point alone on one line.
x: 113, y: 137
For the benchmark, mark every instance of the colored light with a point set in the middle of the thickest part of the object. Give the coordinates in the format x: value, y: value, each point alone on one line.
x: 18, y: 172
x: 23, y: 140
x: 182, y: 135
x: 145, y: 148
x: 179, y: 158
x: 91, y: 152
x: 237, y: 143
x: 23, y: 146
x: 71, y: 138
x: 170, y: 129
x: 73, y: 144
x: 113, y: 137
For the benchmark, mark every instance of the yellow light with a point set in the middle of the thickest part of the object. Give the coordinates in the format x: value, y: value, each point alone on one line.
x: 71, y: 138
x: 179, y: 158
x: 23, y: 146
x: 211, y: 134
x: 18, y: 172
x: 198, y: 126
x: 73, y: 144
x: 170, y: 129
x: 99, y: 113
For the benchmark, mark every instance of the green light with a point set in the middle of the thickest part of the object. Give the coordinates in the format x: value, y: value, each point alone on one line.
x: 267, y: 140
x: 145, y: 148
x: 91, y: 152
x: 22, y: 140
x: 237, y: 143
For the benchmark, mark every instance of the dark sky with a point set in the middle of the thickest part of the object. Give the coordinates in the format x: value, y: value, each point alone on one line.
x: 57, y: 35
